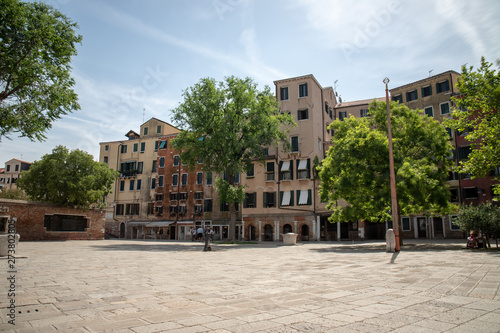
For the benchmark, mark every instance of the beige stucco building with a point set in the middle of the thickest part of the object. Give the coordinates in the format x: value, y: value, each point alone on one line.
x: 131, y: 204
x: 12, y: 172
x: 282, y: 194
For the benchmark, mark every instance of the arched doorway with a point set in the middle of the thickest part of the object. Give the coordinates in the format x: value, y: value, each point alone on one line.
x: 251, y: 232
x: 305, y: 232
x: 287, y: 229
x: 122, y: 230
x: 268, y: 232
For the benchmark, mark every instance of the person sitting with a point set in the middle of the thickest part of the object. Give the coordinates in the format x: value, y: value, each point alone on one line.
x: 472, y: 240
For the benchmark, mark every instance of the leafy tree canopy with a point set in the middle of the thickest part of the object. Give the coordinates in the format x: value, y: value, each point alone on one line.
x: 13, y: 194
x: 68, y: 178
x: 228, y: 125
x: 36, y: 46
x: 478, y: 114
x: 356, y: 168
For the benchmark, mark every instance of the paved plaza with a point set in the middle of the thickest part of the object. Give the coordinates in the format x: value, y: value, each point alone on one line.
x: 166, y: 286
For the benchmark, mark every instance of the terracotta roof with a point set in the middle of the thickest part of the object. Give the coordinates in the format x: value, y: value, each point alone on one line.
x: 360, y: 102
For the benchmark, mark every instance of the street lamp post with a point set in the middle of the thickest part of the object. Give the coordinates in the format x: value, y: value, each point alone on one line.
x: 394, y: 199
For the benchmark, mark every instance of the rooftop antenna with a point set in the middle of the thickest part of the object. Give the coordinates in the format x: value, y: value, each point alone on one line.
x: 430, y: 72
x: 143, y: 113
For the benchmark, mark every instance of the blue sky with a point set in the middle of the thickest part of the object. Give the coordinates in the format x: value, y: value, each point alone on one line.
x: 137, y: 57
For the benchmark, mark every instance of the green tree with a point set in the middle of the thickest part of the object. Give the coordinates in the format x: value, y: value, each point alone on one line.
x: 483, y: 218
x: 478, y: 114
x: 228, y: 125
x: 36, y: 46
x: 68, y: 178
x: 13, y: 194
x: 356, y: 168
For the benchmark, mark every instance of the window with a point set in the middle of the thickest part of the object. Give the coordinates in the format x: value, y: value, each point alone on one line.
x: 450, y: 132
x: 131, y: 185
x: 16, y: 167
x: 209, y: 178
x: 445, y: 108
x: 269, y: 199
x: 342, y: 115
x: 160, y: 181
x: 182, y: 210
x: 470, y: 192
x: 405, y: 222
x: 363, y: 113
x: 162, y: 144
x: 207, y: 205
x: 284, y: 93
x: 303, y: 169
x: 250, y: 200
x: 176, y: 160
x: 132, y: 209
x: 303, y: 90
x: 139, y: 184
x: 224, y: 207
x: 398, y: 98
x: 184, y: 179
x: 199, y: 178
x: 156, y: 145
x: 463, y: 152
x: 286, y: 198
x: 158, y: 129
x: 454, y: 195
x: 128, y: 169
x: 145, y: 131
x: 304, y: 197
x: 8, y: 168
x: 303, y: 114
x: 143, y: 147
x: 175, y: 180
x: 269, y: 171
x: 411, y: 95
x: 326, y: 107
x: 151, y: 208
x: 135, y: 147
x: 250, y: 171
x: 106, y: 159
x: 120, y: 209
x: 286, y: 170
x: 123, y: 149
x: 140, y: 166
x: 153, y: 168
x: 106, y: 148
x: 198, y: 195
x: 198, y: 209
x: 426, y: 91
x: 442, y: 86
x: 294, y: 143
x: 159, y: 197
x: 429, y: 111
x: 183, y: 196
x: 173, y: 196
x: 162, y: 162
x: 153, y: 183
x: 453, y: 226
x: 122, y: 185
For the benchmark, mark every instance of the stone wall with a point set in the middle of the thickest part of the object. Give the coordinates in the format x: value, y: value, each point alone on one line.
x: 31, y: 217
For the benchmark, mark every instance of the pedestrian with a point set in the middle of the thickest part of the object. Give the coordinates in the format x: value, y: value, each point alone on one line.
x: 193, y: 234
x: 199, y: 235
x: 207, y: 235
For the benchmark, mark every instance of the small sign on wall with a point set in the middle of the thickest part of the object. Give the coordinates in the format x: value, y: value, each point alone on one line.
x: 4, y: 209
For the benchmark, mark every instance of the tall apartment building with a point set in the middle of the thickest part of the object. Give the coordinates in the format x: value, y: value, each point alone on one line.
x: 433, y: 96
x: 282, y: 194
x: 186, y: 197
x: 12, y: 172
x: 130, y: 208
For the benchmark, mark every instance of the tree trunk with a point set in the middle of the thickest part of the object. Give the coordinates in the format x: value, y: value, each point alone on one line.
x: 232, y: 214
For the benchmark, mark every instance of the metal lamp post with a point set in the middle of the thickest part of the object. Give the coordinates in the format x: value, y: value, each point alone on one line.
x: 394, y: 199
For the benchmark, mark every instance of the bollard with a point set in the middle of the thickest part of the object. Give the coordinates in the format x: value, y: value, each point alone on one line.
x: 390, y: 239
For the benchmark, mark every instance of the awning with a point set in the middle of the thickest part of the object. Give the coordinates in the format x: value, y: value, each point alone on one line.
x: 286, y: 198
x: 304, y: 196
x: 137, y: 223
x: 159, y: 224
x: 285, y: 166
x: 302, y: 165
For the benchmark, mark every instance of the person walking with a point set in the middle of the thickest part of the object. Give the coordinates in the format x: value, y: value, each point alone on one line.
x: 199, y: 235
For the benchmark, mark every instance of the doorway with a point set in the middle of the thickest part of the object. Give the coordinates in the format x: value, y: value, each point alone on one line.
x: 268, y: 232
x: 422, y: 227
x: 251, y: 231
x: 305, y: 232
x: 122, y: 230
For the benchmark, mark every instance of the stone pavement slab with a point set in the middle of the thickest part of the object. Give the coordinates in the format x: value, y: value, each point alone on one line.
x: 168, y: 286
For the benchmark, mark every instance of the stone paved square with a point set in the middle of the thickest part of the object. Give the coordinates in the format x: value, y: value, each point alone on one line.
x: 169, y: 286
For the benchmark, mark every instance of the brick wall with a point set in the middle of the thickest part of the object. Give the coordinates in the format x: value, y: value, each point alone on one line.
x: 31, y: 215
